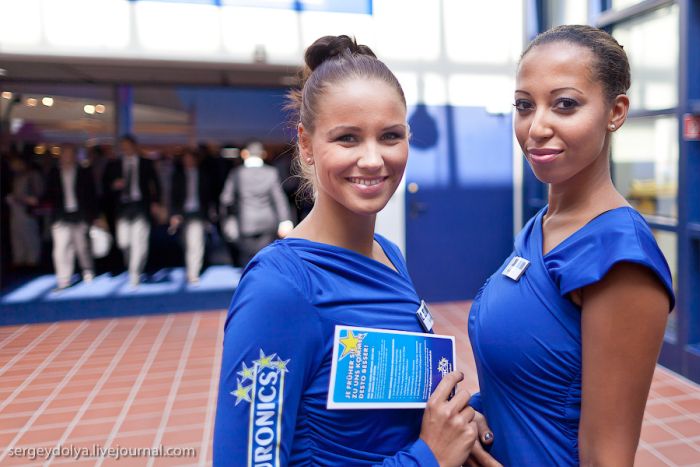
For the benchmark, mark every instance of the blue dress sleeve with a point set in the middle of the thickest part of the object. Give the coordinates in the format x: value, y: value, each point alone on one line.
x: 417, y: 454
x: 273, y: 344
x: 475, y: 402
x: 624, y: 238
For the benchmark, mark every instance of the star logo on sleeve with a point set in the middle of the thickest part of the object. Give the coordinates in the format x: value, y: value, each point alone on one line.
x: 247, y: 373
x: 265, y: 361
x: 265, y: 364
x: 281, y: 365
x: 242, y: 393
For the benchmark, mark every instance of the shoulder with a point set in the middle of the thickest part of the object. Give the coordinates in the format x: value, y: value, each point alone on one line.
x: 270, y: 172
x: 617, y: 236
x: 388, y: 245
x: 280, y: 271
x: 273, y: 289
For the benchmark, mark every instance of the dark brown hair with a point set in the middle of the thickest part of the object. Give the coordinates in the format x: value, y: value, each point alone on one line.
x: 331, y: 60
x: 611, y: 67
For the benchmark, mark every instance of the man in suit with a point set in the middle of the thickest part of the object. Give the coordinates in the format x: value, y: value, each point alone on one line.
x: 70, y: 191
x: 191, y: 200
x: 132, y: 182
x: 253, y: 192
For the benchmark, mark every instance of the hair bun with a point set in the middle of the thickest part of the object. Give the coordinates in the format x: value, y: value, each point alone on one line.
x: 328, y: 47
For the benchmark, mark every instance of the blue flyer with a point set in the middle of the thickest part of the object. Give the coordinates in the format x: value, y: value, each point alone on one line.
x: 380, y: 369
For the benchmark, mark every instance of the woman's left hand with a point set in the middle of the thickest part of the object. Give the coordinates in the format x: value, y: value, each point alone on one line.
x: 478, y: 456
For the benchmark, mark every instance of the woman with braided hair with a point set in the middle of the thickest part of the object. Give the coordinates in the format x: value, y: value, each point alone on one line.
x: 333, y: 269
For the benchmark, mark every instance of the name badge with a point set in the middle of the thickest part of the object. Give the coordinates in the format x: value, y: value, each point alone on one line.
x: 516, y: 268
x: 424, y: 317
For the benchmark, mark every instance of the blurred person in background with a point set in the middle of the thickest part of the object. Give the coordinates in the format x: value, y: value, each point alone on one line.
x: 190, y: 209
x: 27, y: 187
x: 132, y: 182
x: 71, y: 193
x: 253, y: 194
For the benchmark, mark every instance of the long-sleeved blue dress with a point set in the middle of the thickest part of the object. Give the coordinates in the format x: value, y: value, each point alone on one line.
x: 277, y: 359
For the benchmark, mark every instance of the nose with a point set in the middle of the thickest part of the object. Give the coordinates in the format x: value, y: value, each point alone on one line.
x: 371, y: 158
x: 540, y: 126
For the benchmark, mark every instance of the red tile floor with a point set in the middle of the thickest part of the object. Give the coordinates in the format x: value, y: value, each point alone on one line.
x: 77, y: 387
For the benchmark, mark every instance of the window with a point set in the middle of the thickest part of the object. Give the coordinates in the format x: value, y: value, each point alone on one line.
x: 651, y: 43
x: 645, y: 164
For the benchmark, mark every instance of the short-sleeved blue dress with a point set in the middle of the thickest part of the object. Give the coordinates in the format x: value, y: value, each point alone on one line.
x: 526, y: 334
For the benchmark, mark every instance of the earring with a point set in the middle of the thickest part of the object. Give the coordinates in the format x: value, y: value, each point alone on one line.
x: 612, y: 127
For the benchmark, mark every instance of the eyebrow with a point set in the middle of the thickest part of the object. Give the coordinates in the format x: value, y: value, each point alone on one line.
x: 553, y: 91
x: 338, y: 128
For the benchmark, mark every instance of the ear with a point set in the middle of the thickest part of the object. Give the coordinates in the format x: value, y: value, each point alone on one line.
x: 618, y: 112
x: 304, y: 140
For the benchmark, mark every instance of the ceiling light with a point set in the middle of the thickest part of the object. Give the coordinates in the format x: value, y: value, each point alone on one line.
x: 39, y: 149
x: 31, y: 102
x: 89, y: 109
x: 100, y: 109
x: 47, y: 101
x: 6, y: 95
x: 55, y: 150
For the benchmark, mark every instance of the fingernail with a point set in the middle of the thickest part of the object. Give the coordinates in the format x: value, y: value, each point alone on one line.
x: 488, y: 436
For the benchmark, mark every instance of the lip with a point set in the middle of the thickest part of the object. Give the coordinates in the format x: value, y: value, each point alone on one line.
x: 371, y: 185
x: 543, y: 155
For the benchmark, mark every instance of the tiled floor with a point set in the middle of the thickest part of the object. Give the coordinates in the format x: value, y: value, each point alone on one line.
x: 148, y: 382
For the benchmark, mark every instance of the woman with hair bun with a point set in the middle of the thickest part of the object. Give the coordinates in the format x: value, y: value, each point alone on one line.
x: 567, y: 332
x: 333, y: 269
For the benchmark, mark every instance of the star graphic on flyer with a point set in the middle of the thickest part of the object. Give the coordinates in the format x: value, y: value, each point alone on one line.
x: 265, y: 361
x: 281, y: 365
x: 443, y: 366
x: 247, y: 373
x: 350, y: 343
x: 242, y: 393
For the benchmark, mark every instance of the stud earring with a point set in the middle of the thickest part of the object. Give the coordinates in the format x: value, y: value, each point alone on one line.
x: 612, y: 127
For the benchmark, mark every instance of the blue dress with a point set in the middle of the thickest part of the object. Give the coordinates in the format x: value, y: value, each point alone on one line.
x: 277, y: 358
x: 526, y: 334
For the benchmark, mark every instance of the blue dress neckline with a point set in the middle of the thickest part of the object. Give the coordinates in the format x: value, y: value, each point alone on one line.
x: 575, y: 234
x: 339, y: 249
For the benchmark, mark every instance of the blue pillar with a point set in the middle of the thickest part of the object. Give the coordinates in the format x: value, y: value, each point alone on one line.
x: 123, y: 100
x: 689, y: 188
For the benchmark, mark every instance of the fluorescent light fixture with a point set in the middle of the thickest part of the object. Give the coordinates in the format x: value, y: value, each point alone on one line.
x: 86, y: 24
x: 480, y: 32
x: 241, y: 33
x: 21, y: 23
x: 405, y: 30
x: 189, y: 29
